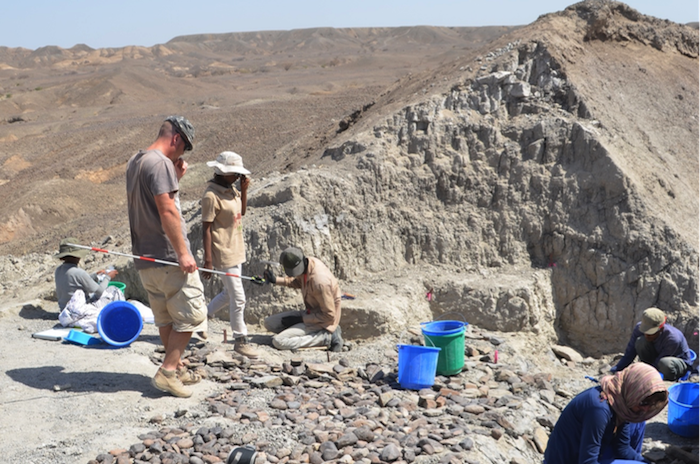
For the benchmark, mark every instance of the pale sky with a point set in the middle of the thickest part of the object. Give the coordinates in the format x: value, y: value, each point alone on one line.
x: 36, y: 23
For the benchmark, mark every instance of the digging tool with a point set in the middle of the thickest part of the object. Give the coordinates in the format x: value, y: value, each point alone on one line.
x: 255, y: 279
x: 344, y: 296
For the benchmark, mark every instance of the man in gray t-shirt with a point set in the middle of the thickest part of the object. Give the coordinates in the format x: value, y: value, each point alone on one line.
x: 158, y: 231
x: 148, y: 237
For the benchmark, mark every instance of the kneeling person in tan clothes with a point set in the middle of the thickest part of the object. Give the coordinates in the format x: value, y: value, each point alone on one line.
x: 318, y: 325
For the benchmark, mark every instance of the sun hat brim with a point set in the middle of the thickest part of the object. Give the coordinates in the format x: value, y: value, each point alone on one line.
x: 224, y: 170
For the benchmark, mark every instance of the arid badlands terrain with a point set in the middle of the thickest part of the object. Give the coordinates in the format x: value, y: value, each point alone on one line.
x: 539, y: 182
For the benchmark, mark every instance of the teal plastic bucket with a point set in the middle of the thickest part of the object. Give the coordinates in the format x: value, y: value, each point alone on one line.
x: 417, y: 366
x: 449, y: 336
x: 683, y: 410
x: 119, y: 323
x: 120, y: 285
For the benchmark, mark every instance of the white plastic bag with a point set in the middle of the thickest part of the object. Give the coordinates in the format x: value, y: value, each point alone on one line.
x: 79, y: 313
x: 146, y: 312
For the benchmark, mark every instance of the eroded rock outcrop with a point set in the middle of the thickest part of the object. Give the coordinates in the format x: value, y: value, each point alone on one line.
x: 508, y: 177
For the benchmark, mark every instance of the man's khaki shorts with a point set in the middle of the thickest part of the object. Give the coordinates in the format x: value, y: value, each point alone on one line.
x: 176, y: 298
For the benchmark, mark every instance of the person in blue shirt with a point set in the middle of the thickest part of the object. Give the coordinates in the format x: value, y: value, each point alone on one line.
x: 658, y: 344
x: 605, y: 424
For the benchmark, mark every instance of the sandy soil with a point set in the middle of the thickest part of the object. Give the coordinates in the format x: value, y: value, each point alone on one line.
x: 104, y: 398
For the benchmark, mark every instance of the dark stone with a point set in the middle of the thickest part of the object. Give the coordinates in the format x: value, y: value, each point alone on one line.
x: 466, y: 444
x: 364, y: 433
x: 347, y: 439
x: 390, y: 453
x: 328, y: 450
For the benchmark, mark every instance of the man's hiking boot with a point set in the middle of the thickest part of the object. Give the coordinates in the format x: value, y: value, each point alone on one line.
x: 244, y: 348
x: 168, y: 381
x: 336, y: 341
x: 188, y: 377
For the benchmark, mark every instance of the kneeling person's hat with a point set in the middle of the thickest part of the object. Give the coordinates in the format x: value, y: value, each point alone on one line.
x: 227, y: 163
x: 292, y: 260
x: 652, y: 321
x: 65, y: 249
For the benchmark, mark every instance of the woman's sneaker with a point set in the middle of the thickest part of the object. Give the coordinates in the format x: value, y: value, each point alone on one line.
x: 244, y: 348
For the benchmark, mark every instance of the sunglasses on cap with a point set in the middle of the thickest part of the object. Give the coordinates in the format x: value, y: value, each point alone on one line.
x: 183, y: 128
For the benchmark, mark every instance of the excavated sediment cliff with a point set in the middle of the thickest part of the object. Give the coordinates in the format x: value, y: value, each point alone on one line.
x: 511, y: 192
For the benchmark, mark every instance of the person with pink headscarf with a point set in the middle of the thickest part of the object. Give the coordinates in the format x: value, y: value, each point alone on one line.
x: 605, y: 424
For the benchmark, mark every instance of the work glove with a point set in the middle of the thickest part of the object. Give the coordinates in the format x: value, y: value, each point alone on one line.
x: 257, y: 280
x: 288, y: 321
x: 269, y: 276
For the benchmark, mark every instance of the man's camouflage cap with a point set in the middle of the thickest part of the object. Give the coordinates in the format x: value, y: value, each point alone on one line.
x: 184, y: 128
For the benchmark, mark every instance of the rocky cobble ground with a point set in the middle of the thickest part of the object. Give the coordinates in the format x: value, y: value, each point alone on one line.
x: 310, y: 408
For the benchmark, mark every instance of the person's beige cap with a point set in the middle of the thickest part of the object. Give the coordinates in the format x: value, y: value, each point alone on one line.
x: 652, y: 320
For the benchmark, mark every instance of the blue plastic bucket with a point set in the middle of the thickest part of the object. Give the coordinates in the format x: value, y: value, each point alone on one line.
x: 683, y: 411
x: 687, y: 372
x: 119, y: 323
x: 417, y: 366
x: 440, y: 328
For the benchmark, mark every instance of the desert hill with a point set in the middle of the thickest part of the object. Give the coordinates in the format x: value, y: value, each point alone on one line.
x: 245, y: 90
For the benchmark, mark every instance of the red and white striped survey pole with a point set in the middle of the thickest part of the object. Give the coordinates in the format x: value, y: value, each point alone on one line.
x: 256, y: 280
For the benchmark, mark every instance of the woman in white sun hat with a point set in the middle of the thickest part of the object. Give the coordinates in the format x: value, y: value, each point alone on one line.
x: 223, y: 208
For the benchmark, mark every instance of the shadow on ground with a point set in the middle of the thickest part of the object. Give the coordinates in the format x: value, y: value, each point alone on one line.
x: 103, y: 345
x: 45, y: 378
x: 29, y: 311
x: 154, y: 339
x: 660, y: 431
x: 261, y: 339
